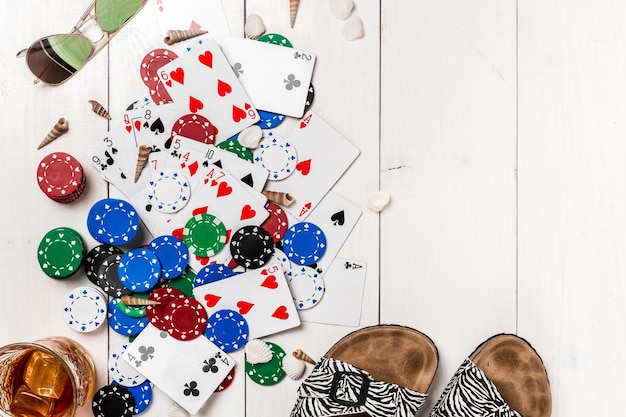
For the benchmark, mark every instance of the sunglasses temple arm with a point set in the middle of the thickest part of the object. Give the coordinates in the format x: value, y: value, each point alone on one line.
x: 87, y: 15
x: 22, y: 53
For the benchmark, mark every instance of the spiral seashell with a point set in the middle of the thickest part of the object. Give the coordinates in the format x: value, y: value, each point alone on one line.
x: 59, y: 128
x: 378, y: 200
x: 99, y: 109
x: 278, y: 197
x: 254, y: 27
x: 175, y: 410
x: 142, y: 160
x: 299, y: 354
x: 353, y: 28
x: 293, y: 367
x: 174, y: 36
x: 129, y: 300
x: 257, y: 351
x: 251, y: 136
x: 293, y: 11
x: 341, y: 9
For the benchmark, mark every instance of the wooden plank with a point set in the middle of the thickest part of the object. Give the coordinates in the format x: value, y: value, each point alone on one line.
x: 448, y: 143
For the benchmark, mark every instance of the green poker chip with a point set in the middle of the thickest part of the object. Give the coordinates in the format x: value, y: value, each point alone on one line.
x: 276, y: 39
x: 233, y: 145
x: 60, y: 252
x: 269, y: 373
x: 204, y: 235
x: 183, y: 283
x: 133, y: 311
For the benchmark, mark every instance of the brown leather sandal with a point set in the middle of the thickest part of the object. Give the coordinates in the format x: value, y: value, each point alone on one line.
x: 504, y: 377
x: 380, y: 371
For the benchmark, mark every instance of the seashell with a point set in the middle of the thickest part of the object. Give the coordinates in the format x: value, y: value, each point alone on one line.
x: 278, y: 197
x: 251, y: 136
x: 254, y: 27
x: 59, y: 128
x: 341, y: 9
x: 378, y: 200
x: 175, y: 410
x: 293, y: 367
x: 129, y: 300
x: 142, y: 160
x: 99, y: 109
x: 353, y: 28
x: 299, y: 354
x: 174, y: 36
x: 293, y: 11
x: 257, y: 351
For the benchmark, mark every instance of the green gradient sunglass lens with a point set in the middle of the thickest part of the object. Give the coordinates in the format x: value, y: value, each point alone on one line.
x: 112, y: 14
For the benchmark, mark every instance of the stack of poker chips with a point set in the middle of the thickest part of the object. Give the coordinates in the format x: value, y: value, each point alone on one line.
x: 60, y: 176
x: 60, y: 252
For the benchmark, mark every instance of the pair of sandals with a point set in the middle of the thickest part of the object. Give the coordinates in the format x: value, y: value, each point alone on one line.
x: 386, y: 370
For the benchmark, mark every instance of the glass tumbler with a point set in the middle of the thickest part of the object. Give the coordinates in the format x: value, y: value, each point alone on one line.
x: 50, y: 377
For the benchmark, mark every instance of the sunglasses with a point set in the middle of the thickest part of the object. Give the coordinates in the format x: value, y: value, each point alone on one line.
x: 56, y: 58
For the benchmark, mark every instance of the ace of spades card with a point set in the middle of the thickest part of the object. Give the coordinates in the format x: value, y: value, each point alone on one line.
x: 261, y: 296
x: 187, y: 371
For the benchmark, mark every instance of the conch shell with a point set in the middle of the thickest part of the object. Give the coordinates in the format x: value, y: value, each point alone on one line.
x: 99, y: 109
x: 174, y: 36
x: 59, y: 128
x: 142, y: 160
x: 293, y: 11
x: 278, y: 197
x: 251, y: 136
x: 293, y: 367
x: 130, y: 300
x: 257, y: 351
x: 299, y: 354
x: 341, y: 9
x: 353, y: 28
x: 254, y: 27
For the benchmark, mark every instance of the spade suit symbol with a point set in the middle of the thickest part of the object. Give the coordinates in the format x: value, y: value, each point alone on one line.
x: 338, y: 218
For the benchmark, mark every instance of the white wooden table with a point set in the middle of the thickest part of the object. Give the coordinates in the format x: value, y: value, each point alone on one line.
x: 498, y: 128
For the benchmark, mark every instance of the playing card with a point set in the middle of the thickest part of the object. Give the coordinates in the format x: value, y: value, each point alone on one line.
x: 193, y: 15
x: 275, y: 77
x: 187, y: 371
x: 202, y: 82
x: 262, y: 296
x: 323, y: 157
x: 106, y: 158
x: 343, y: 296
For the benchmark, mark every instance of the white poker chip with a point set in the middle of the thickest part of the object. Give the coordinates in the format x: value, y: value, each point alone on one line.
x: 85, y: 309
x: 285, y: 263
x: 169, y: 191
x: 277, y: 156
x: 306, y: 285
x: 121, y: 371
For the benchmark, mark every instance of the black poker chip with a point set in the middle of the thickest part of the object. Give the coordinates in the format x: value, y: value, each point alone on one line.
x: 113, y: 401
x: 251, y: 247
x: 94, y: 259
x: 309, y: 98
x: 108, y: 277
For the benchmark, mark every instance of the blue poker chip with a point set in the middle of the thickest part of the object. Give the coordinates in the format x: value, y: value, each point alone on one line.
x: 227, y: 329
x: 212, y: 273
x: 113, y: 221
x: 304, y: 243
x: 139, y: 270
x: 172, y: 253
x: 142, y: 394
x: 123, y: 324
x: 269, y: 120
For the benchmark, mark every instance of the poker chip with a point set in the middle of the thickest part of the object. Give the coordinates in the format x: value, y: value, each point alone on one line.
x: 172, y: 253
x: 94, y: 258
x: 276, y: 39
x: 269, y: 120
x: 306, y: 286
x: 159, y: 94
x: 269, y: 373
x: 60, y: 252
x: 309, y: 98
x: 60, y: 176
x: 285, y: 263
x: 152, y: 62
x: 168, y: 191
x: 204, y: 235
x: 196, y: 127
x: 211, y: 273
x: 227, y: 381
x: 232, y: 145
x: 108, y: 277
x: 139, y: 269
x: 85, y: 309
x: 143, y: 396
x: 113, y: 221
x: 276, y: 155
x: 185, y: 318
x: 113, y: 401
x: 120, y: 371
x: 304, y: 243
x: 251, y: 247
x: 133, y: 311
x: 227, y: 329
x: 277, y: 223
x: 156, y: 313
x: 184, y: 283
x: 122, y: 323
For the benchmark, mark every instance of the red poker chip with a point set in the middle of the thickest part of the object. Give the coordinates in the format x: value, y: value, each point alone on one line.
x: 227, y: 381
x: 60, y: 177
x: 277, y: 223
x: 152, y: 62
x: 159, y: 94
x: 185, y: 318
x: 196, y: 127
x: 156, y: 313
